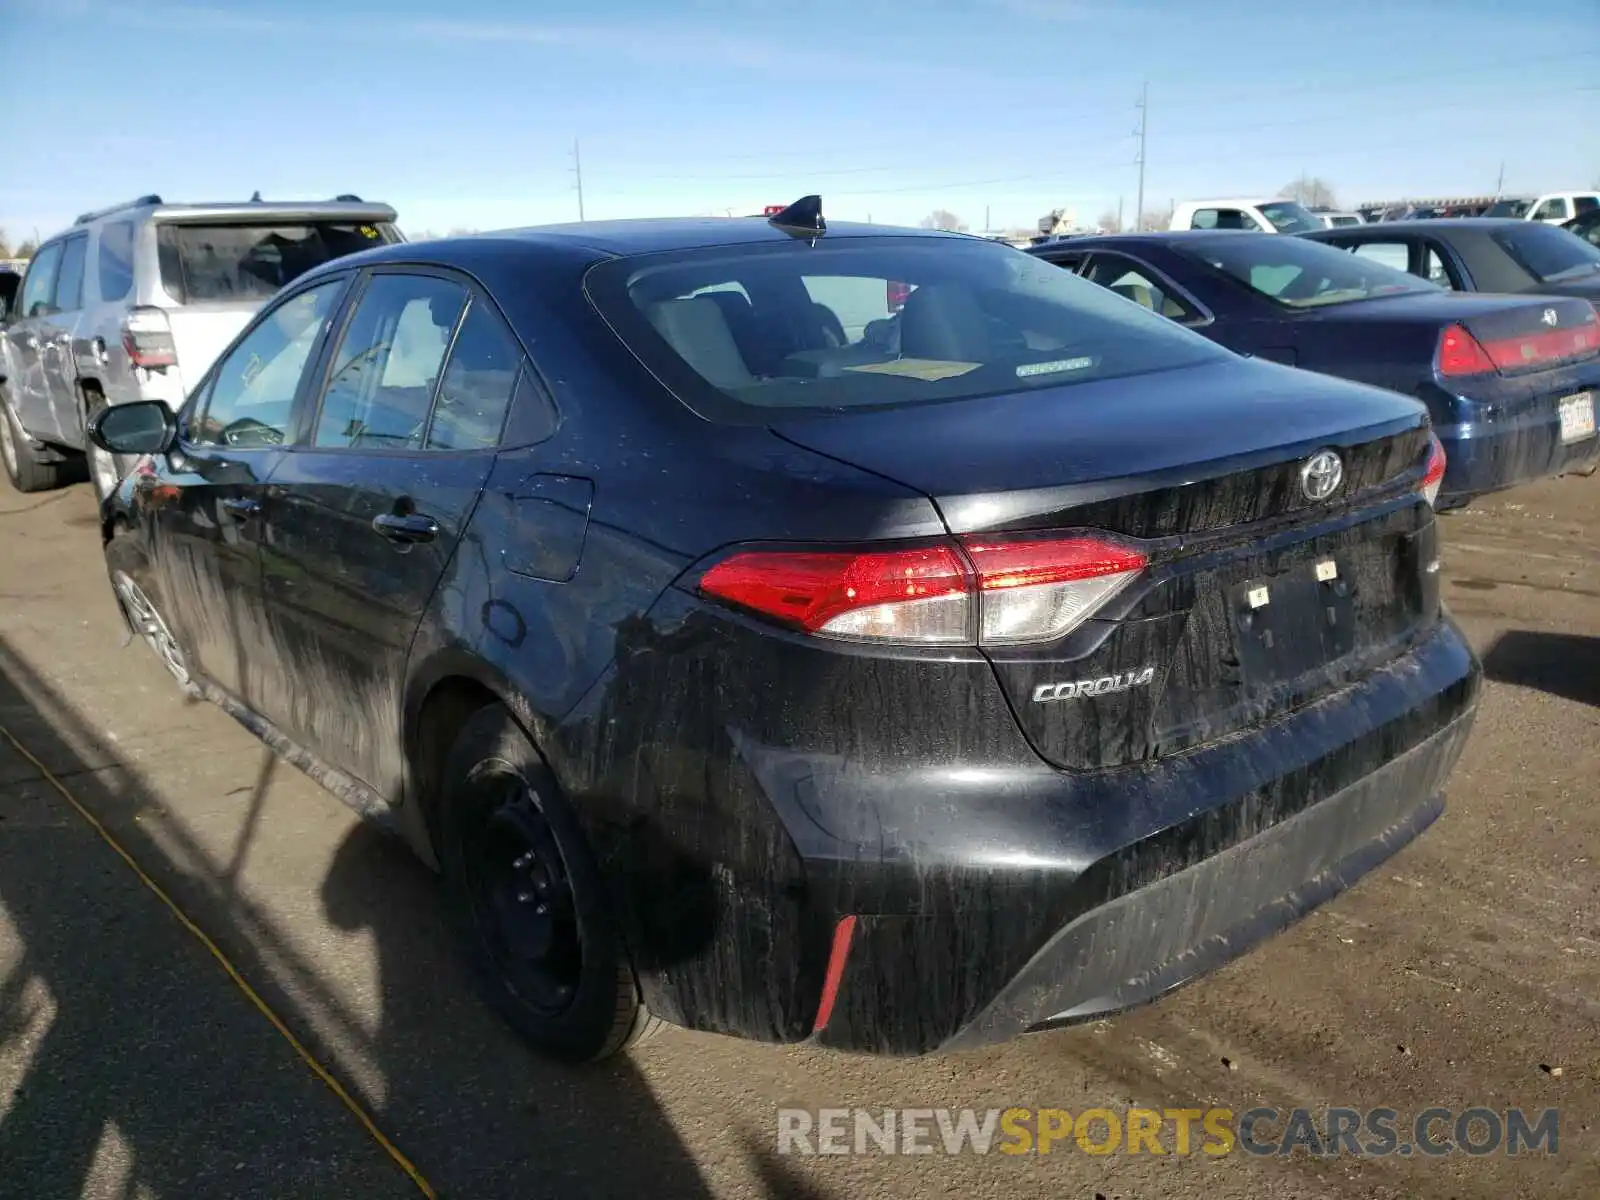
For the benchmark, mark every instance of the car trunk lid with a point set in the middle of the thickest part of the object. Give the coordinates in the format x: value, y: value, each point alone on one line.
x: 1258, y: 596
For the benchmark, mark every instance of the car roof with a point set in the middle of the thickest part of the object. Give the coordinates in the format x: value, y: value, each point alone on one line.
x: 1480, y: 224
x: 1241, y: 201
x: 1158, y: 236
x: 645, y: 235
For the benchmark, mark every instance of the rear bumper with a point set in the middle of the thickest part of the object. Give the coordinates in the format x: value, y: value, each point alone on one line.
x: 1138, y: 881
x: 1148, y: 942
x: 1489, y: 456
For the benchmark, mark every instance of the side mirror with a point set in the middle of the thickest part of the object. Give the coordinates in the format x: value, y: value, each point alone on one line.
x: 143, y: 427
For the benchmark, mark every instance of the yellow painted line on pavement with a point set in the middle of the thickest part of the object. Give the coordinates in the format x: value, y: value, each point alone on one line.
x: 266, y: 1010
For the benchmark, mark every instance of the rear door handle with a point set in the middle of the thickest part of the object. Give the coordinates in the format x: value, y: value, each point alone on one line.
x: 406, y: 530
x: 241, y: 509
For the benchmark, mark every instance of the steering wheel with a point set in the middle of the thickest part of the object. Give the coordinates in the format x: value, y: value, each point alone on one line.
x: 247, y: 431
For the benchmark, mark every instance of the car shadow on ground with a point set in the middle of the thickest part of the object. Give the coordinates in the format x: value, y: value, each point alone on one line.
x: 125, y: 1031
x: 1563, y: 664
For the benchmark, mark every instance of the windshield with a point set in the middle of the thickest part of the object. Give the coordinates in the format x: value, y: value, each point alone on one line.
x: 878, y: 322
x: 1516, y: 209
x: 201, y: 263
x: 1288, y: 217
x: 1299, y: 273
x: 1548, y: 253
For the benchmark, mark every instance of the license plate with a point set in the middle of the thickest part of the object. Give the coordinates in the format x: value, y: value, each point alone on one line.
x: 1577, y: 417
x: 1293, y: 622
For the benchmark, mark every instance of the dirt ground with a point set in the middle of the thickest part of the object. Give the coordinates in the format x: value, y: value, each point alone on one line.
x: 1465, y: 972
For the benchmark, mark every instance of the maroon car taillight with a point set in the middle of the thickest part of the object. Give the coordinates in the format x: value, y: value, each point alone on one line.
x: 1460, y: 353
x: 147, y: 337
x: 994, y: 590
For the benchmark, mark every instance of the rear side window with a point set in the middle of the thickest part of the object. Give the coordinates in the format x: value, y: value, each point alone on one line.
x: 880, y: 322
x: 1288, y: 217
x: 1586, y: 203
x: 1223, y: 218
x: 1553, y: 209
x: 387, y: 363
x: 1394, y: 255
x: 1132, y: 281
x: 115, y: 262
x: 69, y: 282
x: 1548, y: 253
x: 209, y: 263
x: 477, y: 385
x: 1300, y: 273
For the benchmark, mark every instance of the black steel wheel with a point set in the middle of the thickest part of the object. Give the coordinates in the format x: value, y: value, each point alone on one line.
x: 527, y: 899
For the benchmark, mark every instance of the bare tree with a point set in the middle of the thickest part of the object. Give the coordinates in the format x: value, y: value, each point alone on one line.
x: 1109, y: 222
x: 941, y: 218
x: 1156, y: 218
x: 1310, y: 190
x: 5, y: 245
x: 26, y: 249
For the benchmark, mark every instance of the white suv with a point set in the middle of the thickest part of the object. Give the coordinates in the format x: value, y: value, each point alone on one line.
x: 135, y: 302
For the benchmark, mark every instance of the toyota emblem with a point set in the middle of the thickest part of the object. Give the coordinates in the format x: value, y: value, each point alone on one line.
x: 1321, y: 475
x: 1551, y: 317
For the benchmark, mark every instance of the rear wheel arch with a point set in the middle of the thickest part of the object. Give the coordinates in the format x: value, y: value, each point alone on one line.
x: 443, y: 699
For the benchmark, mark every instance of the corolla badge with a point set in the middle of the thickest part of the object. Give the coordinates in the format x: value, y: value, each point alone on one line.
x: 1321, y: 475
x: 1102, y: 686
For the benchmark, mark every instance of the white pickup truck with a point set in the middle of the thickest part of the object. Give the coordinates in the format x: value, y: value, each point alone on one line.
x: 1553, y: 208
x: 1269, y: 214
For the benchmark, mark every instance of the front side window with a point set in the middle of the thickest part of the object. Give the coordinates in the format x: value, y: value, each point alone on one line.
x: 1548, y: 253
x: 1299, y: 273
x: 1224, y: 218
x: 253, y: 389
x: 115, y: 264
x: 40, y: 285
x: 873, y: 322
x: 204, y: 263
x: 69, y: 282
x: 387, y: 362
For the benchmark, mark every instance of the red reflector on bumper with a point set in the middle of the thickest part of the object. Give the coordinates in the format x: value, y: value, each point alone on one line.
x: 836, y: 959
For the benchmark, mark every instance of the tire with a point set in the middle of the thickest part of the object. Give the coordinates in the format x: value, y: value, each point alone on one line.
x: 146, y: 620
x: 106, y: 470
x: 25, y: 470
x: 526, y: 898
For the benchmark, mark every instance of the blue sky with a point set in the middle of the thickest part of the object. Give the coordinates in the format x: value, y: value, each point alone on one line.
x: 465, y: 114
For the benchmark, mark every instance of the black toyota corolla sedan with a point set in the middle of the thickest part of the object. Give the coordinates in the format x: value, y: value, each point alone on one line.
x: 796, y: 631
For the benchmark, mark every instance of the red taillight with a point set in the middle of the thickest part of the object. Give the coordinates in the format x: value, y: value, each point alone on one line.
x: 1462, y: 354
x: 772, y: 210
x: 996, y: 591
x: 1434, y: 475
x: 147, y: 338
x: 898, y: 293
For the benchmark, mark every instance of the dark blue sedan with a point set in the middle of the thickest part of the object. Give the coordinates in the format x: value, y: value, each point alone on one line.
x: 1510, y: 381
x: 868, y: 636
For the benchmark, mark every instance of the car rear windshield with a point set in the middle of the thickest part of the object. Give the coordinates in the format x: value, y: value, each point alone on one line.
x: 1548, y: 253
x: 1288, y: 217
x: 1300, y: 273
x: 206, y: 263
x: 1515, y: 209
x: 737, y: 332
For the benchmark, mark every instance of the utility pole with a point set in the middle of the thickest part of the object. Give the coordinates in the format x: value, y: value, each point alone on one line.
x: 986, y: 225
x: 1120, y: 228
x: 577, y: 170
x: 1144, y: 121
x: 1500, y: 180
